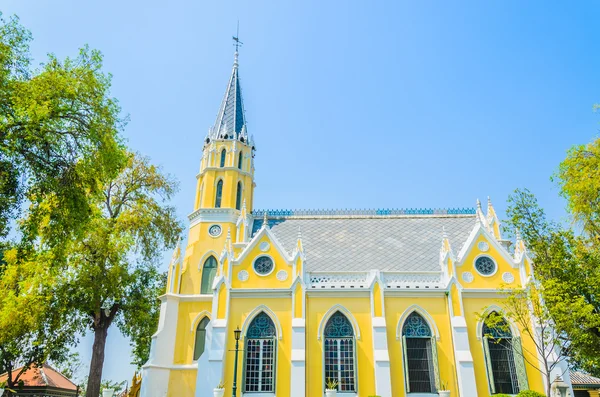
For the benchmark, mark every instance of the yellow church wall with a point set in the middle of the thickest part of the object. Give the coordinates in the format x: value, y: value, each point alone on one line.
x: 182, y: 382
x: 258, y: 281
x: 360, y: 308
x: 456, y: 308
x: 486, y: 282
x: 474, y: 307
x: 187, y: 320
x: 240, y: 309
x: 197, y: 253
x: 298, y: 301
x: 436, y: 307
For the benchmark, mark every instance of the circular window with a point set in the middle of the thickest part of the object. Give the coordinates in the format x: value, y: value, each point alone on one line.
x: 263, y: 265
x: 485, y: 265
x: 214, y: 230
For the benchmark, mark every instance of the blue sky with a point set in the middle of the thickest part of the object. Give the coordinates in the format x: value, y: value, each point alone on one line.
x: 352, y: 104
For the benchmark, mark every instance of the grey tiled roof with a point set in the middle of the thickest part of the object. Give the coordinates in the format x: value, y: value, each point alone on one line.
x: 394, y: 243
x: 582, y: 379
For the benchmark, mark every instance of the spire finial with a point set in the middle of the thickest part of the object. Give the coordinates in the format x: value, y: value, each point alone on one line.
x: 265, y: 219
x: 237, y: 44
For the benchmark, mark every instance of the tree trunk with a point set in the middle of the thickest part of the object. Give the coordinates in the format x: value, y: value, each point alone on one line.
x: 95, y: 375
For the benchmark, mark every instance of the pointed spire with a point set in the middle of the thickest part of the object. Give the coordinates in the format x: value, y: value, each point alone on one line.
x: 480, y: 217
x: 265, y: 219
x: 231, y: 119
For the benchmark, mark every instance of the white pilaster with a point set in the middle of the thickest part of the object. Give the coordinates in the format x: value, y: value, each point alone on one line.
x: 383, y: 380
x: 464, y: 360
x: 298, y: 375
x: 210, y: 365
x: 155, y: 373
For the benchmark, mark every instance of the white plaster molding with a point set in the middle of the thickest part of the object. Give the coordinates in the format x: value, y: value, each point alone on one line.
x: 339, y: 280
x: 256, y: 311
x: 206, y: 256
x: 198, y: 318
x: 508, y: 277
x: 345, y: 312
x: 243, y: 275
x: 425, y: 280
x: 467, y: 277
x: 479, y: 230
x: 424, y: 314
x: 213, y: 215
x: 282, y: 275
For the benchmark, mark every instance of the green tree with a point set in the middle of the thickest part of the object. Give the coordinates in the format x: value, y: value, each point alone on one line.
x: 58, y: 136
x: 146, y: 314
x: 568, y: 268
x: 58, y: 140
x: 113, y: 269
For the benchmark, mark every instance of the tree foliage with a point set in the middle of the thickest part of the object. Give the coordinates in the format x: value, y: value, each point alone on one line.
x: 58, y: 141
x: 568, y: 267
x: 113, y: 274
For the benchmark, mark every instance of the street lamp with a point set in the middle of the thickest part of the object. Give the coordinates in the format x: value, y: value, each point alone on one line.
x: 236, y: 333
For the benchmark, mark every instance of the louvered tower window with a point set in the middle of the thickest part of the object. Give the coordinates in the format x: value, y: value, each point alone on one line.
x: 339, y: 353
x: 238, y: 196
x: 219, y: 194
x: 504, y: 359
x: 420, y: 355
x: 223, y: 156
x: 200, y: 338
x: 209, y: 271
x: 240, y: 159
x: 260, y: 355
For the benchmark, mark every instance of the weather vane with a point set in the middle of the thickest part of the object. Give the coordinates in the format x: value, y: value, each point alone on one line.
x: 236, y: 38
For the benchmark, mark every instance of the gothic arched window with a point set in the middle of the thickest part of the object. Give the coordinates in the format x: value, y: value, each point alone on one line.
x: 260, y: 355
x: 339, y: 352
x: 219, y: 194
x: 240, y: 159
x: 200, y: 338
x: 420, y: 355
x: 223, y: 156
x: 238, y: 196
x: 503, y: 357
x: 209, y: 271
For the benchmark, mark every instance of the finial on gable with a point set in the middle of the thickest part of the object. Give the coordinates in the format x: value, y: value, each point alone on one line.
x: 445, y: 241
x: 480, y: 217
x: 265, y: 220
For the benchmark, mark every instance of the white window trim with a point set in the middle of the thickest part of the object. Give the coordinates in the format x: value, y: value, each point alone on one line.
x: 266, y: 274
x: 492, y: 259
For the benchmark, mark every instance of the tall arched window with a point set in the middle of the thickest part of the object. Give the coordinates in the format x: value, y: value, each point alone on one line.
x: 503, y: 357
x: 223, y: 156
x: 219, y: 194
x: 209, y: 271
x: 339, y: 352
x: 238, y: 196
x: 200, y: 338
x: 420, y: 355
x: 240, y: 159
x: 260, y: 355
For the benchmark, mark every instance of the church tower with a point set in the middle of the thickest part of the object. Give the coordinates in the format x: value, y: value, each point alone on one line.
x: 224, y: 193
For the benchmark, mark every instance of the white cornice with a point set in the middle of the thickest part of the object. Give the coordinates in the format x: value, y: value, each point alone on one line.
x: 218, y: 215
x: 260, y: 293
x: 187, y: 298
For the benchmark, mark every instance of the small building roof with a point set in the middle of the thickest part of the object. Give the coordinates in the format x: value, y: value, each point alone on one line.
x: 581, y: 379
x: 364, y: 241
x: 44, y: 376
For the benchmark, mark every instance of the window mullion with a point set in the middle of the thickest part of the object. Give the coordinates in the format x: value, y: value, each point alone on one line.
x: 260, y: 364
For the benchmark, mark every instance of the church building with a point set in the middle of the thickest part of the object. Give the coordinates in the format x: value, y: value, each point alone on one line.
x: 381, y: 302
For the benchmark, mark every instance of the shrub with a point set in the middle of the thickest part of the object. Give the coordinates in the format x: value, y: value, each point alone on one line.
x: 502, y: 395
x: 530, y: 393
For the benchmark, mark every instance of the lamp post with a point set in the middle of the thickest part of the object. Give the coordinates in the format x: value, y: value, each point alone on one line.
x: 236, y: 333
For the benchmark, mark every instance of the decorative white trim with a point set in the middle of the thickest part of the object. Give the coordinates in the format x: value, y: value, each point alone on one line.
x: 255, y: 312
x: 489, y: 257
x: 199, y: 318
x: 264, y: 246
x: 272, y: 261
x: 213, y: 215
x: 243, y: 275
x: 508, y: 277
x: 282, y: 275
x: 483, y: 246
x: 425, y: 280
x: 479, y: 230
x: 205, y: 258
x: 339, y: 280
x: 514, y: 330
x: 345, y: 312
x: 467, y: 277
x: 424, y: 314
